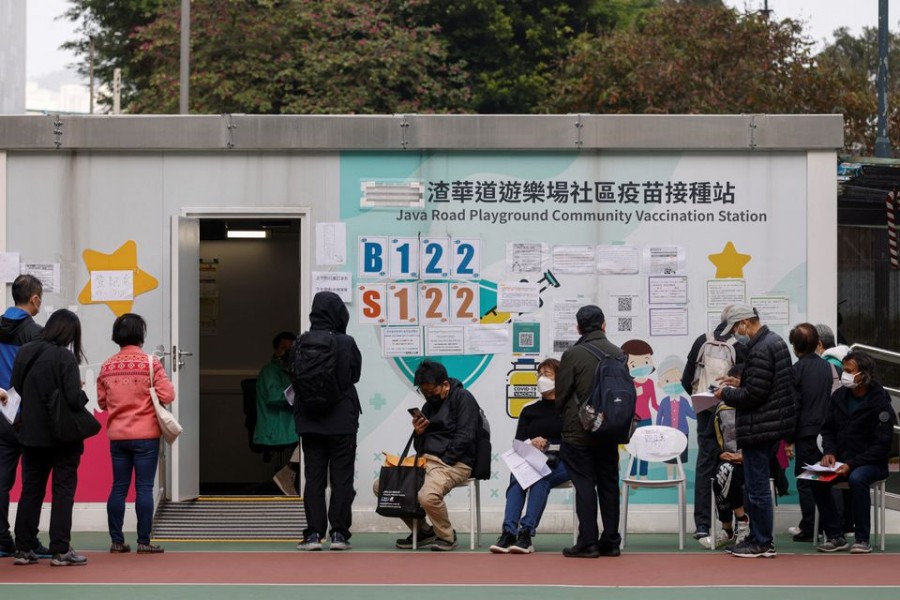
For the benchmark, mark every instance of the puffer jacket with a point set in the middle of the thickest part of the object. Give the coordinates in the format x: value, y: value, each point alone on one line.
x: 766, y: 400
x: 452, y: 427
x: 864, y: 436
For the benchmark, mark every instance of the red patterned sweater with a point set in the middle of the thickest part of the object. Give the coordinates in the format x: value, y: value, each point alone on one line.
x: 123, y: 389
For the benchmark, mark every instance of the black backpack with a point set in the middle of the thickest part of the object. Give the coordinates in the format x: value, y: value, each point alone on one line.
x: 608, y: 410
x: 313, y: 369
x: 482, y: 468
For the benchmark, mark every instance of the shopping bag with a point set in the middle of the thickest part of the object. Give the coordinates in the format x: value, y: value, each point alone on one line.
x: 398, y: 488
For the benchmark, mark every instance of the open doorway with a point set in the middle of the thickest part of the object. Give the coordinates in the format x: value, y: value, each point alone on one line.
x: 249, y: 292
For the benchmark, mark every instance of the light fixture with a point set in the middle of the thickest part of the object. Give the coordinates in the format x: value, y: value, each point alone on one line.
x: 247, y: 234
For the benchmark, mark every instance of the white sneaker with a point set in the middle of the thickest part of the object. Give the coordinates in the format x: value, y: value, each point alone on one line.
x: 722, y: 539
x: 794, y: 530
x: 741, y: 531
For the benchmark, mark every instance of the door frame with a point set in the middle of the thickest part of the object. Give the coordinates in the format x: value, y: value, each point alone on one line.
x: 171, y: 469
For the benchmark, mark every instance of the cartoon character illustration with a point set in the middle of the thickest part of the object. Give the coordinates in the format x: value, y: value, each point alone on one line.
x: 675, y: 408
x: 641, y: 366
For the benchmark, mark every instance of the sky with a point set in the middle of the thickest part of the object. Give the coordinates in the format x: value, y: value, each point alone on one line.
x: 45, y: 34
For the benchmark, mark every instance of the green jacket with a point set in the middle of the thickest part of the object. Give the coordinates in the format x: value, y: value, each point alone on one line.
x: 573, y: 382
x: 274, y: 417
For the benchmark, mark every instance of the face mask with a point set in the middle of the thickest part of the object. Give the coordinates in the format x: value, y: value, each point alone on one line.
x: 744, y: 339
x: 672, y: 389
x: 848, y: 380
x: 545, y: 384
x: 641, y: 371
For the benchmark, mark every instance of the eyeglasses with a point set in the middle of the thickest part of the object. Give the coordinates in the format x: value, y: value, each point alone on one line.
x: 432, y: 391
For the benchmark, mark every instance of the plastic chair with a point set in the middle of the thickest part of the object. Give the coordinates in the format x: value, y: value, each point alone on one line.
x: 567, y: 485
x: 474, y: 486
x: 656, y: 444
x: 878, y: 505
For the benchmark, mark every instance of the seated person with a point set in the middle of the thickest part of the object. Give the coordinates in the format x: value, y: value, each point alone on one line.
x: 274, y: 416
x: 857, y: 432
x: 445, y: 436
x: 541, y: 424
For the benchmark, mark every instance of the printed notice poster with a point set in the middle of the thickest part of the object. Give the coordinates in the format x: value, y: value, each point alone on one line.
x: 487, y: 339
x: 338, y: 282
x: 664, y: 260
x: 624, y: 304
x: 565, y: 327
x: 668, y: 321
x: 47, y: 273
x: 331, y: 243
x: 9, y: 266
x: 667, y: 289
x: 773, y: 310
x: 401, y: 341
x: 107, y: 286
x: 713, y: 318
x: 445, y: 340
x: 518, y: 297
x: 618, y: 260
x: 524, y: 257
x: 526, y: 337
x: 573, y: 259
x: 722, y: 292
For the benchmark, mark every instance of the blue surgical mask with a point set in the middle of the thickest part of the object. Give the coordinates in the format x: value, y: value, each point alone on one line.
x: 673, y: 389
x: 641, y: 371
x: 744, y: 339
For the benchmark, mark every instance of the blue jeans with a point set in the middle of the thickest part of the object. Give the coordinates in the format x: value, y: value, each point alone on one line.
x: 639, y: 467
x: 141, y: 458
x: 759, y: 495
x: 860, y: 479
x: 537, y: 500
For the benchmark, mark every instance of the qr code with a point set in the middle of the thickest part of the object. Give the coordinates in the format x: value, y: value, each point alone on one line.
x: 526, y: 339
x: 625, y: 303
x: 625, y: 323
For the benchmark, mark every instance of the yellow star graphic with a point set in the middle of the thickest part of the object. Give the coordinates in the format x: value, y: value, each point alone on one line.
x: 729, y: 262
x: 123, y: 259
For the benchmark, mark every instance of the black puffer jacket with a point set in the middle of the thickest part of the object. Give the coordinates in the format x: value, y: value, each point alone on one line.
x: 452, y: 425
x: 812, y: 378
x: 329, y: 313
x: 765, y: 402
x: 864, y: 436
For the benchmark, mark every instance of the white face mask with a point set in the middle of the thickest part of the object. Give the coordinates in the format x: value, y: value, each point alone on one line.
x: 848, y: 380
x: 545, y: 384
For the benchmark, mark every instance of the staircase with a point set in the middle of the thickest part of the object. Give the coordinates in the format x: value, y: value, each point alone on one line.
x: 230, y: 518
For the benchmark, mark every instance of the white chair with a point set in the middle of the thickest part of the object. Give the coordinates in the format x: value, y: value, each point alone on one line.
x: 656, y: 444
x: 877, y: 505
x: 567, y: 485
x: 474, y: 487
x: 714, y: 527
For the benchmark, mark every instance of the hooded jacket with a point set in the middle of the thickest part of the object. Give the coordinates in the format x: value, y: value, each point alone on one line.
x: 452, y: 426
x: 864, y: 436
x: 329, y: 313
x: 17, y: 328
x: 812, y: 379
x: 765, y: 402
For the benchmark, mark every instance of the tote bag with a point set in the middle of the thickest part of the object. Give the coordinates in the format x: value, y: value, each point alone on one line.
x: 168, y: 425
x: 398, y: 488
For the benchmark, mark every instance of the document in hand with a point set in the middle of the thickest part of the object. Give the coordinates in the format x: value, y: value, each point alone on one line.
x: 818, y: 472
x: 13, y: 400
x: 820, y: 468
x: 526, y: 463
x: 289, y: 395
x: 703, y: 401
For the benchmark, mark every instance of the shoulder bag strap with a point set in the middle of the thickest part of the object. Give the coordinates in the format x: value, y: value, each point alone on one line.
x: 150, y: 362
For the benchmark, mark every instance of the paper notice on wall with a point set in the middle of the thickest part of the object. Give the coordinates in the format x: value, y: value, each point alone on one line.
x: 338, y: 282
x: 618, y: 260
x: 488, y: 339
x: 525, y: 257
x: 773, y: 310
x: 713, y: 318
x: 107, y: 286
x: 625, y: 304
x: 331, y: 243
x: 401, y: 341
x: 664, y: 260
x: 9, y: 266
x: 668, y: 321
x: 573, y: 259
x: 445, y: 340
x: 667, y: 289
x: 518, y: 297
x: 526, y: 337
x: 722, y: 292
x: 624, y: 325
x: 47, y: 274
x: 565, y: 326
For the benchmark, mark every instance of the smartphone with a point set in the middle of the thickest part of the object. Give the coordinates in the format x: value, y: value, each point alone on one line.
x: 416, y: 413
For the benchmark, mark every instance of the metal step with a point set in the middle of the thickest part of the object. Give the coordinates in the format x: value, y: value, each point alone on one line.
x: 243, y: 518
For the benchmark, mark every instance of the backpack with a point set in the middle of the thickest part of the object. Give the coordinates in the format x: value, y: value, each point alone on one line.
x: 726, y: 430
x: 482, y: 467
x: 608, y: 410
x: 313, y: 369
x: 714, y: 359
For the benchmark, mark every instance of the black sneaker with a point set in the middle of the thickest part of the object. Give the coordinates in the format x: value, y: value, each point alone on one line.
x: 803, y: 537
x: 43, y: 551
x: 701, y: 533
x: 423, y: 539
x: 523, y: 543
x: 591, y: 551
x: 609, y: 551
x: 339, y: 542
x: 754, y: 551
x: 441, y: 545
x: 833, y: 545
x: 503, y: 543
x: 7, y: 551
x: 310, y: 543
x: 25, y: 558
x: 69, y: 559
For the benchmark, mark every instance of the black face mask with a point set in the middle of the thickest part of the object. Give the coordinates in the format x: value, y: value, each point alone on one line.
x: 433, y: 398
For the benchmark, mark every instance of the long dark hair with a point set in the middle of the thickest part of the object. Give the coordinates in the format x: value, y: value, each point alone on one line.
x: 64, y: 328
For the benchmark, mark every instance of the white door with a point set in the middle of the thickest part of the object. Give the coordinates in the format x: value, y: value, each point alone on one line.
x: 184, y: 457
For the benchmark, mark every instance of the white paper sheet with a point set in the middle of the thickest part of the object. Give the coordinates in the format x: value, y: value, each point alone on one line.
x: 664, y: 260
x: 773, y: 310
x: 339, y: 282
x: 722, y: 292
x: 488, y: 339
x: 289, y: 395
x: 526, y: 463
x: 445, y: 340
x: 573, y: 259
x: 110, y: 286
x: 667, y: 289
x: 524, y: 257
x: 618, y: 260
x: 47, y: 273
x: 13, y: 400
x: 9, y: 266
x: 331, y: 243
x: 401, y: 341
x: 668, y: 321
x: 518, y: 297
x: 565, y: 332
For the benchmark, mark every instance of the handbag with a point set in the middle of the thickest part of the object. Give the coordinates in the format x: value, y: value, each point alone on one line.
x: 398, y: 488
x: 168, y: 424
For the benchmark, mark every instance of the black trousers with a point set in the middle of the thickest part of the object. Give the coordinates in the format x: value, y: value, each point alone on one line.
x: 37, y: 465
x: 806, y: 452
x: 707, y: 463
x: 9, y: 461
x: 328, y: 458
x: 594, y: 471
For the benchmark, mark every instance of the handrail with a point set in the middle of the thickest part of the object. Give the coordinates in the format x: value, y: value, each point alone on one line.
x: 879, y: 353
